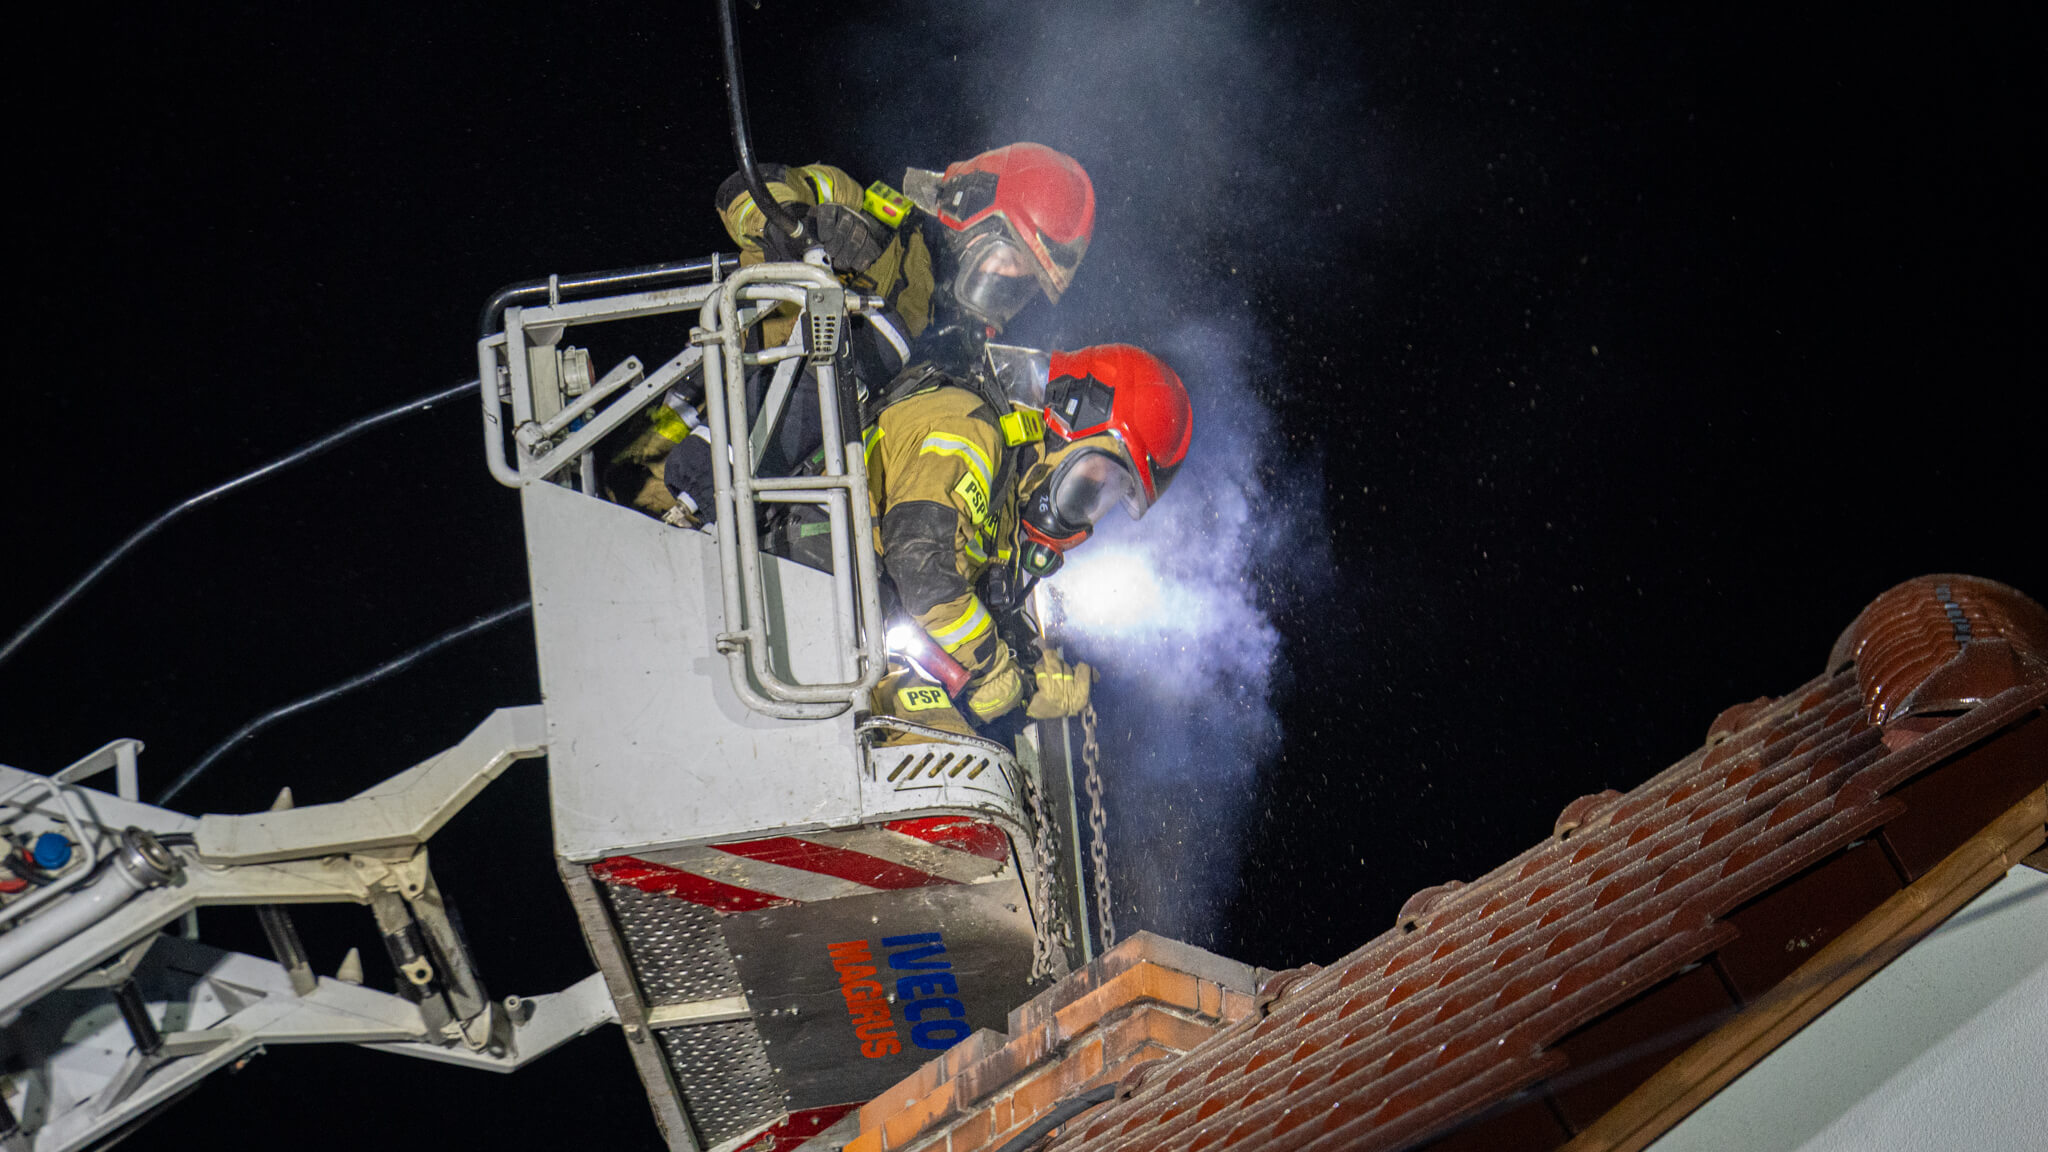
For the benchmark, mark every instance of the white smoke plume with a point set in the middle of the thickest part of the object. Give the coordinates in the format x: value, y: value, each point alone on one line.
x: 1175, y: 611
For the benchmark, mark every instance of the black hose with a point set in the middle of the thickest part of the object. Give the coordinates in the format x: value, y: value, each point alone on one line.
x: 521, y: 292
x: 135, y: 1013
x: 1061, y: 1112
x: 307, y: 451
x: 396, y: 664
x: 643, y: 276
x: 742, y: 137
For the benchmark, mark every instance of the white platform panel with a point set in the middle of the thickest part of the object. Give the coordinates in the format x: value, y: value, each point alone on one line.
x: 648, y: 745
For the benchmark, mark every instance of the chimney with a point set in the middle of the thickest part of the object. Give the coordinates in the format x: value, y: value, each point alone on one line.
x: 1147, y: 999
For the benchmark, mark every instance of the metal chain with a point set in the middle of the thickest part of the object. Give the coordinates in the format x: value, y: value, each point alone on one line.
x: 1044, y: 909
x: 1098, y: 823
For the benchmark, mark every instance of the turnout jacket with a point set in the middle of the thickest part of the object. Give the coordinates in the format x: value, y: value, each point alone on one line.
x: 901, y: 274
x: 946, y: 508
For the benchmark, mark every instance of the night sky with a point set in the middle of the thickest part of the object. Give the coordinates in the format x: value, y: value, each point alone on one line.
x: 1560, y: 380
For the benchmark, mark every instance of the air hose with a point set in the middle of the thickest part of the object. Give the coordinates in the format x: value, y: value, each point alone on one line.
x: 391, y: 667
x: 302, y: 453
x: 742, y: 138
x: 1061, y: 1112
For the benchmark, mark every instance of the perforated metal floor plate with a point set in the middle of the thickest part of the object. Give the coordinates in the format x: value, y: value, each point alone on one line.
x: 676, y: 950
x: 728, y: 1084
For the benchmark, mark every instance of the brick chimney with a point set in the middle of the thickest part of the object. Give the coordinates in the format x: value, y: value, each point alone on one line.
x: 1146, y: 999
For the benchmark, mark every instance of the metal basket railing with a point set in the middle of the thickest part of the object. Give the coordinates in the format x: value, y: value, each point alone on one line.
x: 543, y: 417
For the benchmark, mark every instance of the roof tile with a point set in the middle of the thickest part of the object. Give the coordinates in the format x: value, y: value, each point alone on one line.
x: 1498, y: 993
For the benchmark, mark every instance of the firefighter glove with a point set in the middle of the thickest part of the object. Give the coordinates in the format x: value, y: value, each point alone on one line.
x: 850, y: 238
x: 999, y: 688
x: 1062, y: 688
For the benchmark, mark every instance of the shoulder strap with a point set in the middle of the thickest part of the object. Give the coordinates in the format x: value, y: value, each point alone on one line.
x: 924, y: 376
x: 914, y: 378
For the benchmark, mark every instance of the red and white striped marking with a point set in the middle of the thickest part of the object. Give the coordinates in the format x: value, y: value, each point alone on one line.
x: 748, y: 875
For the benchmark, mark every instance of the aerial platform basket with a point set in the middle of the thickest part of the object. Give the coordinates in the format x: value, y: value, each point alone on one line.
x: 792, y: 903
x: 790, y: 913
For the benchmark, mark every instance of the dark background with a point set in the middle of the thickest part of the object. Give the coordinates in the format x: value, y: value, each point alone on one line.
x: 1505, y: 569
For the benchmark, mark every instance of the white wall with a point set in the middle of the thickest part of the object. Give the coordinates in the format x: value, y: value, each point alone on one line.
x: 1946, y: 1048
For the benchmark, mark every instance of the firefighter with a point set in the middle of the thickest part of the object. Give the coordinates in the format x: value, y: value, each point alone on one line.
x: 980, y: 490
x: 956, y: 259
x: 963, y: 250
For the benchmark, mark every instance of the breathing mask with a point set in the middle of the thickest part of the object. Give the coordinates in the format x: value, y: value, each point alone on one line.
x: 1087, y: 479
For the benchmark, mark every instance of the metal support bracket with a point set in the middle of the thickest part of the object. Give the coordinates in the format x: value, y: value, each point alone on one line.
x: 320, y: 853
x: 395, y: 816
x: 369, y: 849
x: 432, y: 961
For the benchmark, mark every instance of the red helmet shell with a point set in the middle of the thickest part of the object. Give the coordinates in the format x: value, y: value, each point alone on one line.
x: 1040, y: 196
x: 1130, y: 394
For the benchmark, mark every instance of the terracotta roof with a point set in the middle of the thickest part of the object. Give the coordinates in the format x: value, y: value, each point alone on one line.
x: 1516, y: 1011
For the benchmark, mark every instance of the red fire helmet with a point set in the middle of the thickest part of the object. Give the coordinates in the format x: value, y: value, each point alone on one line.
x: 1037, y: 197
x: 1130, y: 394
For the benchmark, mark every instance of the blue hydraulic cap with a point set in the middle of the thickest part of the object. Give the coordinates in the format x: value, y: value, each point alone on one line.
x: 52, y: 851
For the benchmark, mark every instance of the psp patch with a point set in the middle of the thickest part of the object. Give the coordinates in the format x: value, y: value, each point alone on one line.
x: 975, y: 495
x: 921, y: 698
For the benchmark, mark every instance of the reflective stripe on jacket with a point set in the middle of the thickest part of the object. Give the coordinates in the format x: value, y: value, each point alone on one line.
x: 934, y: 470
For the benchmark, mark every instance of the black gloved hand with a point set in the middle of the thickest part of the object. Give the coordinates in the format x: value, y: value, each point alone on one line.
x: 852, y: 239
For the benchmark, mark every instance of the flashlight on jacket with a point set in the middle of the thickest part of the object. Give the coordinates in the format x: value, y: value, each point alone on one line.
x: 923, y: 653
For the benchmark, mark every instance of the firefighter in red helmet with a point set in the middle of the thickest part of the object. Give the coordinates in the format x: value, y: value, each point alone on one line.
x: 980, y: 486
x: 1016, y: 219
x: 1117, y: 425
x: 956, y: 259
x: 968, y: 247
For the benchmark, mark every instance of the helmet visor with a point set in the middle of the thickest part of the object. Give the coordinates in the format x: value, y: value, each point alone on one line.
x: 1087, y: 486
x: 1021, y: 373
x: 996, y: 279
